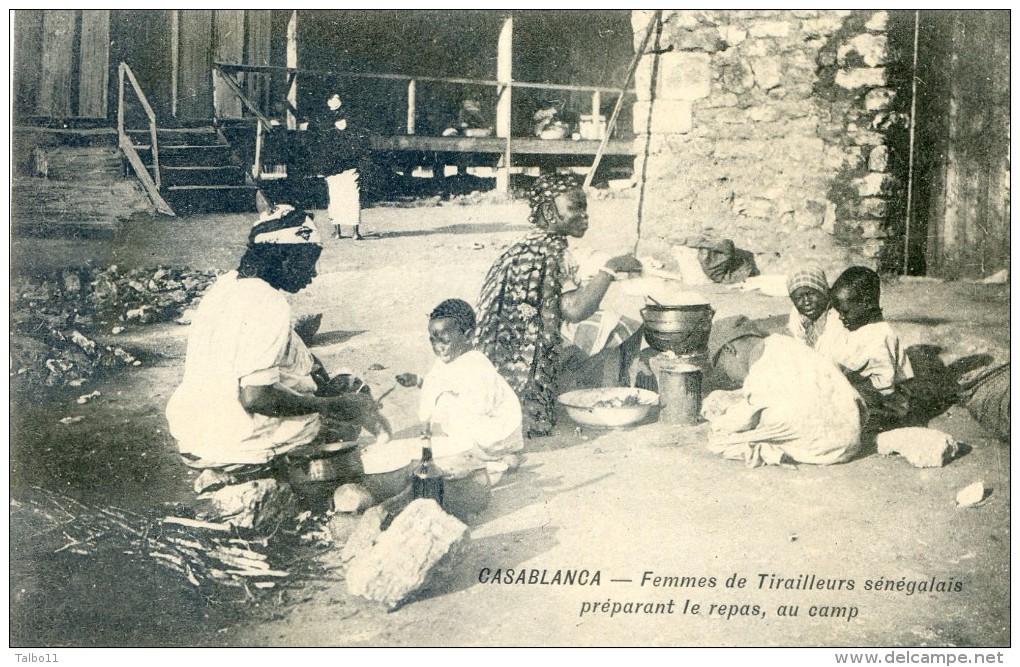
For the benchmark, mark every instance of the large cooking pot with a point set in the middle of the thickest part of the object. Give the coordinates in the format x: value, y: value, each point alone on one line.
x: 680, y: 329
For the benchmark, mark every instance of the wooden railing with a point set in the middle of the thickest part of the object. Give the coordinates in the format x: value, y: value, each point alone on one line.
x: 412, y: 81
x: 152, y: 182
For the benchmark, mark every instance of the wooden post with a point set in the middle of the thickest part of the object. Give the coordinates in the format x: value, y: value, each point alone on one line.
x: 504, y: 75
x: 175, y: 65
x: 596, y: 110
x: 292, y: 62
x: 411, y: 94
x: 94, y: 74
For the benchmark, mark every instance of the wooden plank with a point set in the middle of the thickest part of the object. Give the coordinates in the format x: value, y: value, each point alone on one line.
x: 57, y: 63
x: 94, y: 75
x: 497, y: 145
x: 292, y: 63
x: 28, y: 25
x: 195, y: 81
x: 259, y: 31
x: 229, y: 47
x: 504, y: 74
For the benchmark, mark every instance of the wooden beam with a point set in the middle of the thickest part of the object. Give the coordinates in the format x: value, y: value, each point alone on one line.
x: 94, y: 74
x: 504, y: 74
x: 175, y: 59
x: 57, y: 61
x: 195, y: 91
x: 411, y: 101
x: 27, y: 70
x: 229, y: 47
x: 292, y: 63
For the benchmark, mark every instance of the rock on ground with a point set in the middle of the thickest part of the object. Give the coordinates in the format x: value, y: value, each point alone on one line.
x: 922, y: 447
x: 405, y: 556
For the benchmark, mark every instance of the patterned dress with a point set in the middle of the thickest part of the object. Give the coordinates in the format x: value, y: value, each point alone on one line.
x: 519, y: 323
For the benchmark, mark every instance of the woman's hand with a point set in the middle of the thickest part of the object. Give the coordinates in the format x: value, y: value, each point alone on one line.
x: 624, y: 264
x: 408, y: 380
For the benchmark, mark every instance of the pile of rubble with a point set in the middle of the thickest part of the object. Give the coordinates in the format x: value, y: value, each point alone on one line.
x: 54, y: 319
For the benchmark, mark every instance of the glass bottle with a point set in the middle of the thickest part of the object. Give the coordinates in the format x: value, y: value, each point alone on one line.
x: 428, y: 477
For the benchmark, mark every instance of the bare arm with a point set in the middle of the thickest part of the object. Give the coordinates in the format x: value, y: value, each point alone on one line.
x: 580, y: 304
x: 274, y: 402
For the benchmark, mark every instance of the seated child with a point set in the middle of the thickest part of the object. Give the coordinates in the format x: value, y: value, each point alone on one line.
x: 812, y: 320
x: 466, y: 404
x: 870, y: 354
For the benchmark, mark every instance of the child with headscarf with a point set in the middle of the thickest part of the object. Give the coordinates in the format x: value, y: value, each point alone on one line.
x: 793, y: 404
x: 812, y: 318
x: 870, y: 353
x: 532, y: 289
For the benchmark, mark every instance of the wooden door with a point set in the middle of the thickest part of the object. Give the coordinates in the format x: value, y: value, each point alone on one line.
x: 961, y: 179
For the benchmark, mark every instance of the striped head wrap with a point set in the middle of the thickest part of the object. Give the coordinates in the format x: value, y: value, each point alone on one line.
x: 284, y: 225
x: 545, y: 190
x: 811, y: 276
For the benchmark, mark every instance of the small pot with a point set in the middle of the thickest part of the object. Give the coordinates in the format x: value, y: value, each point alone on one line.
x: 340, y: 466
x: 680, y: 329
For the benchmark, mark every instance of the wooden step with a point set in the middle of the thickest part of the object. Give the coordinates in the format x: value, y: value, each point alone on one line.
x: 94, y: 164
x: 177, y: 137
x: 186, y: 199
x: 40, y: 206
x: 188, y: 156
x: 202, y: 175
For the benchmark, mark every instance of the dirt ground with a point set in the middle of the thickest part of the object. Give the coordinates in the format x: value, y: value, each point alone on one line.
x: 623, y: 503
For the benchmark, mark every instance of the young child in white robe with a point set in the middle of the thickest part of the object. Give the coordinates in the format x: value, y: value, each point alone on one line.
x: 466, y: 405
x: 870, y: 353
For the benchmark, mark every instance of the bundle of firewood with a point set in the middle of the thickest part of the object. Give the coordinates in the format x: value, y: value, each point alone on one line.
x: 204, y: 553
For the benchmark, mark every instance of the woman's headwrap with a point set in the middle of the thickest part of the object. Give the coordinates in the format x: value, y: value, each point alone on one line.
x: 284, y: 225
x: 545, y: 190
x: 811, y: 276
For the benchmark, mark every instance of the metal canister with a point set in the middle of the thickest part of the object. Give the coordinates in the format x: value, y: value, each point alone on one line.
x: 680, y: 394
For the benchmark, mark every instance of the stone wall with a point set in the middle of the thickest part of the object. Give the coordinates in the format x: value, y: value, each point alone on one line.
x: 769, y: 128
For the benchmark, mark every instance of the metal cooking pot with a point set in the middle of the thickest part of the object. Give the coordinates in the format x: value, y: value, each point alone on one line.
x: 680, y: 329
x: 341, y: 466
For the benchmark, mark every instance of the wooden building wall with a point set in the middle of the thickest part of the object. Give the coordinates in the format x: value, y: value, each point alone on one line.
x: 62, y: 63
x: 963, y: 127
x: 65, y: 61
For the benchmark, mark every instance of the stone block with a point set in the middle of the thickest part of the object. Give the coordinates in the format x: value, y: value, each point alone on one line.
x: 872, y: 248
x: 873, y: 207
x: 878, y: 159
x: 872, y: 229
x: 861, y: 77
x: 811, y: 214
x: 363, y: 536
x: 736, y: 77
x: 261, y: 505
x: 879, y: 98
x: 643, y: 79
x: 685, y: 76
x: 829, y: 221
x: 767, y: 114
x: 731, y: 34
x: 720, y: 100
x: 406, y: 556
x: 770, y: 29
x: 865, y: 137
x: 768, y: 72
x: 352, y: 498
x: 878, y: 22
x: 704, y: 39
x: 872, y: 48
x: 342, y: 525
x: 639, y: 19
x: 754, y: 207
x: 823, y: 25
x: 668, y: 117
x: 871, y: 185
